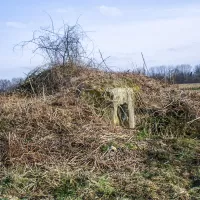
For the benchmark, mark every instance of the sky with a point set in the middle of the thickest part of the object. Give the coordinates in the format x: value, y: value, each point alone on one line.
x: 167, y: 32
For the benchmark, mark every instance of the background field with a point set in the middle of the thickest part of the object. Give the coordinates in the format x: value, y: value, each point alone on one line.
x: 189, y: 86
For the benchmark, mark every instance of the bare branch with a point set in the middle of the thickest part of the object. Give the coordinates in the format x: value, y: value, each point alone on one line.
x: 58, y: 47
x: 104, y: 61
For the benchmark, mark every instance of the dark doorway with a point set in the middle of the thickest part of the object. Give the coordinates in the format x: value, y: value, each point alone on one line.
x: 122, y: 112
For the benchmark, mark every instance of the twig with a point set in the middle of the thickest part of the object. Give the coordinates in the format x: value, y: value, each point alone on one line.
x: 31, y: 85
x: 144, y: 65
x: 190, y: 122
x: 103, y: 61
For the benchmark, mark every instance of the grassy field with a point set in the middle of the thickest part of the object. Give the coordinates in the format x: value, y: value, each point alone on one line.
x: 189, y: 86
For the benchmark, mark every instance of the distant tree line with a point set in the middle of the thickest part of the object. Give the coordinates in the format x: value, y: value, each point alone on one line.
x: 173, y: 74
x: 7, y: 85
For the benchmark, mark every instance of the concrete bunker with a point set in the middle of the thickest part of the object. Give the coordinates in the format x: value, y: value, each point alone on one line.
x: 123, y: 106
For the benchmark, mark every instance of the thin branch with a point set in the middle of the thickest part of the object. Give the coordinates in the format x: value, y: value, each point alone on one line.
x: 104, y: 61
x: 144, y: 65
x: 190, y: 122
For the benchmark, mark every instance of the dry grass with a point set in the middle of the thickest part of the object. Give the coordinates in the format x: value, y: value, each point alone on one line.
x: 59, y: 145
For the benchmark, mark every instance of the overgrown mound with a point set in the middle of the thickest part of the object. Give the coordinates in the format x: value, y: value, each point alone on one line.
x: 56, y: 78
x: 56, y: 143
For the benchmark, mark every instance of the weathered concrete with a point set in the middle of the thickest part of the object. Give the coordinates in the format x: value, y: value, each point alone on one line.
x: 122, y: 96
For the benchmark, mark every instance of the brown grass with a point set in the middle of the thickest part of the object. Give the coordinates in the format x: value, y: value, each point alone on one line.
x: 58, y: 145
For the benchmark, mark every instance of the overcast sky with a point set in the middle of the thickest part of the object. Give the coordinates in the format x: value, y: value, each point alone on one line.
x: 166, y: 31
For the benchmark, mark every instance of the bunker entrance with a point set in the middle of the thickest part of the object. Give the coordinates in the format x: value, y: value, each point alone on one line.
x: 123, y: 115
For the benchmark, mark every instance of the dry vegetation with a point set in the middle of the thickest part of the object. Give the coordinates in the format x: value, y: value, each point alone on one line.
x: 56, y: 143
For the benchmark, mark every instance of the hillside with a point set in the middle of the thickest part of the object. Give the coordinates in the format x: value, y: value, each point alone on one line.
x: 57, y: 141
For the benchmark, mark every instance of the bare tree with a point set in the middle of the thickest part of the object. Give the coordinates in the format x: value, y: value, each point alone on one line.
x: 58, y: 46
x: 8, y: 85
x: 4, y: 85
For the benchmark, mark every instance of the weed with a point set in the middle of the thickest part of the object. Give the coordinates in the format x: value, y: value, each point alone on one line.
x: 131, y: 146
x: 104, y: 187
x: 143, y: 134
x: 5, y: 184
